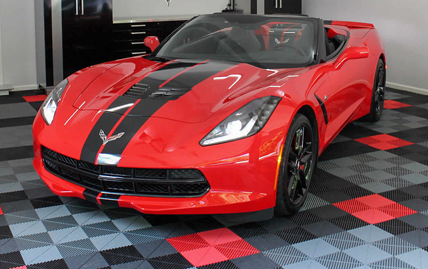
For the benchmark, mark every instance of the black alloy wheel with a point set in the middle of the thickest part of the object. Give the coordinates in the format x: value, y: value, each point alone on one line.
x: 297, y: 166
x: 378, y: 97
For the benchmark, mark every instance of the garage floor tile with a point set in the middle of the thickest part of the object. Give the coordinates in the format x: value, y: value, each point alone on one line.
x: 367, y: 208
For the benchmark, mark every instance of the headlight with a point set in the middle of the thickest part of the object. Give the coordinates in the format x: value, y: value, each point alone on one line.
x: 51, y: 103
x: 245, y: 122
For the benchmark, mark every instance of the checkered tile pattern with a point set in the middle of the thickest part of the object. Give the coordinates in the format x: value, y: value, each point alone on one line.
x: 367, y: 208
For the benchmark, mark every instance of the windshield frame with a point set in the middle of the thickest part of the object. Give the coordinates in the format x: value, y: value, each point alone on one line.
x: 314, y: 59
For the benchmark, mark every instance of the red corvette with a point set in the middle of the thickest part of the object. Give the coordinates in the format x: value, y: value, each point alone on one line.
x: 228, y: 115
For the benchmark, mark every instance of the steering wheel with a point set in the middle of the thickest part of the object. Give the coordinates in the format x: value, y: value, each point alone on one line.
x: 283, y: 45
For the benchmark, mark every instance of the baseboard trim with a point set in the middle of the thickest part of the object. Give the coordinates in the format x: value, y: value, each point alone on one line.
x: 25, y: 88
x: 407, y: 88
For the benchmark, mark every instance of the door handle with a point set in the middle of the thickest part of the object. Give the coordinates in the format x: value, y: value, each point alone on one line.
x: 77, y: 7
x: 280, y: 3
x: 276, y: 3
x: 82, y: 3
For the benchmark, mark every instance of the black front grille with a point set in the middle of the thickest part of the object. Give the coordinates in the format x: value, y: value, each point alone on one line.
x: 119, y: 180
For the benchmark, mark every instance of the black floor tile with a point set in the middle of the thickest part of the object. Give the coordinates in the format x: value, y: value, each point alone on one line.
x: 355, y: 131
x: 220, y: 265
x: 249, y: 230
x: 36, y: 105
x: 16, y: 122
x: 10, y: 260
x: 345, y: 149
x: 328, y: 212
x: 8, y: 154
x: 295, y: 235
x: 60, y: 264
x: 413, y: 110
x: 5, y: 232
x: 122, y: 255
x: 396, y: 226
x: 169, y: 262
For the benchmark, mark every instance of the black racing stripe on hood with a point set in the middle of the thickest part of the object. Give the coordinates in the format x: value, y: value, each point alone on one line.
x: 106, y: 122
x: 198, y: 74
x: 131, y: 124
x: 151, y: 83
x: 148, y: 106
x: 152, y: 86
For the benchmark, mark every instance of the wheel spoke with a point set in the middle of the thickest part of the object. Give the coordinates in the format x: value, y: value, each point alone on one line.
x: 294, y: 155
x: 292, y: 186
x: 306, y: 157
x: 302, y: 180
x: 305, y: 151
x: 381, y: 93
x: 298, y: 145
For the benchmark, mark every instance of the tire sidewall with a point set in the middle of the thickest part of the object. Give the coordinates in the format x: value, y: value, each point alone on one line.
x: 373, y: 116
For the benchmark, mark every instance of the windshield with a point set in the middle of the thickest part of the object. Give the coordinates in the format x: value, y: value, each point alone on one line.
x: 264, y: 41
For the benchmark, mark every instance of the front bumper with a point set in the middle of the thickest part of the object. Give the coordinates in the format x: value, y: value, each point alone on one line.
x: 214, y: 202
x: 242, y: 174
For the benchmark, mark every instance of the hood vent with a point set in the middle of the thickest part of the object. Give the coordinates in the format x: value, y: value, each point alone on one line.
x: 143, y: 91
x: 139, y: 90
x: 170, y: 93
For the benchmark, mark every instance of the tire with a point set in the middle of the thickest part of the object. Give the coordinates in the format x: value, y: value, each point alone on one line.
x: 297, y: 166
x: 378, y: 93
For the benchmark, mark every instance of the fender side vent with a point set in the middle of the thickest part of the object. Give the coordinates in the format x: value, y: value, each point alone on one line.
x: 324, y: 110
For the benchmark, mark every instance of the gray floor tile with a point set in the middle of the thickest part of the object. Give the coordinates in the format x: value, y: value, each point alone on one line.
x: 416, y: 178
x: 395, y: 245
x: 367, y: 253
x: 418, y: 238
x: 417, y: 258
x: 39, y: 255
x: 377, y: 187
x: 316, y: 248
x: 16, y: 110
x: 370, y: 233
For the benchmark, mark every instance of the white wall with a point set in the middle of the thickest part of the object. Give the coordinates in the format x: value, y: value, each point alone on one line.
x: 18, y: 47
x: 403, y: 27
x: 152, y: 9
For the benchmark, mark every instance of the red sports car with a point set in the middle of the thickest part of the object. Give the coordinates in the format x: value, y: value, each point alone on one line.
x: 228, y: 115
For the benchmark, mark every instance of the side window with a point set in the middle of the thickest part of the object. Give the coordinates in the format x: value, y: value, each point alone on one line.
x: 334, y: 41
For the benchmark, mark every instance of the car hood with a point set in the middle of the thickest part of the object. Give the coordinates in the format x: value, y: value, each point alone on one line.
x: 181, y: 90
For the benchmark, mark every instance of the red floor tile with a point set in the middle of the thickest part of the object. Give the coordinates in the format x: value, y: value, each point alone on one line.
x: 212, y: 246
x: 373, y: 216
x: 375, y: 201
x: 35, y: 98
x: 204, y: 256
x: 374, y: 208
x: 391, y: 104
x: 352, y: 206
x: 188, y: 242
x: 384, y: 142
x: 397, y: 210
x: 219, y: 236
x: 236, y: 249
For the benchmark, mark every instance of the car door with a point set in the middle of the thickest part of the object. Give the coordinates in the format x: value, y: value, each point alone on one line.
x: 347, y: 90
